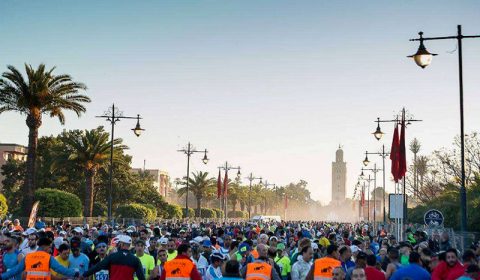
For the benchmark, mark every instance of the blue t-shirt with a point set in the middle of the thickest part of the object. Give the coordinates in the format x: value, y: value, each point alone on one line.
x: 9, y: 261
x: 413, y: 271
x: 79, y: 263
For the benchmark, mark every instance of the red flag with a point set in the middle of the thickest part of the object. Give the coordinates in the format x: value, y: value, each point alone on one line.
x: 219, y: 185
x: 225, y: 183
x: 402, y: 152
x: 286, y: 202
x: 394, y: 155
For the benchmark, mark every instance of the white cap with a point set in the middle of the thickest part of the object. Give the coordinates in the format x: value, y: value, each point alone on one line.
x: 314, y: 246
x: 57, y: 242
x: 124, y: 239
x: 30, y: 231
x: 78, y: 229
x: 62, y: 232
x: 163, y: 241
x: 354, y: 248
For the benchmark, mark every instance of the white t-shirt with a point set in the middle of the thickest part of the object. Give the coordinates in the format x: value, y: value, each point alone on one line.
x: 213, y: 273
x: 202, y: 265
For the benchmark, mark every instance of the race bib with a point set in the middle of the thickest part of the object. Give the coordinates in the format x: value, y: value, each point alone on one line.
x: 101, y: 275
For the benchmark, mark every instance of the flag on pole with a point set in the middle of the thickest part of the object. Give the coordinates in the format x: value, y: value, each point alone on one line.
x: 363, y: 197
x: 219, y: 185
x: 402, y: 152
x: 394, y: 154
x: 225, y: 183
x: 286, y: 201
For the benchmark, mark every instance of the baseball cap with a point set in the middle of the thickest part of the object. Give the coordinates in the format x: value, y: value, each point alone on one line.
x: 274, y: 237
x: 244, y: 247
x: 206, y: 243
x: 30, y: 231
x: 78, y: 230
x: 281, y: 246
x: 163, y: 241
x: 218, y: 256
x: 124, y: 239
x: 57, y: 242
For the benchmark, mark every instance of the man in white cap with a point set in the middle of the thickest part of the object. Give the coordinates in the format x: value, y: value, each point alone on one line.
x: 31, y: 241
x: 122, y: 264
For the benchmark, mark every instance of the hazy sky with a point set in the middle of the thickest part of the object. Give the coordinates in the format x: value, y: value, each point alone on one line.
x: 272, y: 86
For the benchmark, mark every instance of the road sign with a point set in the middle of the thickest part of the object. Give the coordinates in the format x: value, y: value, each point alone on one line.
x: 396, y: 206
x: 433, y: 218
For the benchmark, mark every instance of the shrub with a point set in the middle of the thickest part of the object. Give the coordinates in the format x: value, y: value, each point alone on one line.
x: 218, y: 212
x: 3, y: 206
x: 134, y: 211
x: 56, y: 203
x: 153, y: 212
x: 99, y: 209
x: 191, y: 213
x: 237, y: 214
x: 172, y: 211
x: 208, y: 213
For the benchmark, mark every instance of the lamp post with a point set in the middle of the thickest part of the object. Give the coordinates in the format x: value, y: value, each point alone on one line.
x: 275, y: 188
x: 383, y: 154
x: 423, y: 58
x: 113, y: 115
x: 374, y: 170
x: 362, y: 177
x: 190, y: 150
x: 379, y: 134
x: 227, y: 167
x: 250, y: 179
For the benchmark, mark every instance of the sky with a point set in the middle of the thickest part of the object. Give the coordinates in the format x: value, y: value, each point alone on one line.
x: 271, y: 86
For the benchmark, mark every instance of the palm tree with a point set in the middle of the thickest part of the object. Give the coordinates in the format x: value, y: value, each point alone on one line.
x: 90, y: 151
x: 42, y: 93
x: 200, y: 186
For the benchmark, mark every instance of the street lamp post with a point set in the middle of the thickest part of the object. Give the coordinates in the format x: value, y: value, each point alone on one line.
x: 275, y: 188
x: 368, y: 180
x: 190, y: 150
x: 250, y: 179
x: 374, y: 170
x: 379, y: 134
x: 113, y: 115
x: 227, y: 167
x: 383, y: 154
x: 423, y: 58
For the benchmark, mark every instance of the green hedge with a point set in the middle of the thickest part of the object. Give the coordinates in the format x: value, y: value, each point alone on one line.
x: 237, y: 214
x: 172, y: 211
x: 191, y: 213
x: 136, y: 211
x: 56, y: 203
x: 208, y: 213
x: 219, y: 213
x: 3, y: 206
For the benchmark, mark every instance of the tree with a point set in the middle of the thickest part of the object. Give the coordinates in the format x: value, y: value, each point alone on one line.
x: 415, y: 148
x: 3, y: 206
x: 42, y: 93
x: 200, y: 185
x: 90, y: 151
x: 56, y: 203
x: 14, y: 172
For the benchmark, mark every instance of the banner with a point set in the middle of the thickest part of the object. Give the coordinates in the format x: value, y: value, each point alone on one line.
x: 33, y: 215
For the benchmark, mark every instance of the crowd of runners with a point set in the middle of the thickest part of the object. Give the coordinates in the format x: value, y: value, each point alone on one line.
x: 236, y: 250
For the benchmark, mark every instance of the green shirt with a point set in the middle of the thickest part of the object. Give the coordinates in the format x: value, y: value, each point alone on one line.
x: 284, y: 264
x: 148, y: 263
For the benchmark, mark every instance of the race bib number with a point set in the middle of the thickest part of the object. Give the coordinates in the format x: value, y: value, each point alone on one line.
x: 101, y: 275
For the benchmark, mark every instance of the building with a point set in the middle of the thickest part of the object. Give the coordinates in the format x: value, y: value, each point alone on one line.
x: 161, y: 180
x: 11, y: 152
x: 339, y: 178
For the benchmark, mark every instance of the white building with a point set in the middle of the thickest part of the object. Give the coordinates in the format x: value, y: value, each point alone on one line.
x: 161, y: 180
x: 11, y: 152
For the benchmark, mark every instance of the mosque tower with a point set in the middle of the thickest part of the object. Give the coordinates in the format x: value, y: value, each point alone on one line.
x: 339, y: 178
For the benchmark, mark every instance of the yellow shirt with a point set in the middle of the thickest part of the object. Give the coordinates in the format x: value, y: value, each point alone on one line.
x: 148, y: 264
x: 62, y: 262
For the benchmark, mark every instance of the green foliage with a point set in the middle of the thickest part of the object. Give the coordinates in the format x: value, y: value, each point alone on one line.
x: 237, y: 214
x: 208, y: 213
x: 99, y: 209
x: 3, y: 206
x: 191, y: 213
x: 153, y: 212
x: 14, y: 172
x: 218, y: 213
x: 56, y: 203
x: 172, y: 211
x: 136, y: 211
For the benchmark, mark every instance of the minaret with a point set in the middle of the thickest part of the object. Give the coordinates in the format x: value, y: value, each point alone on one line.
x: 339, y: 177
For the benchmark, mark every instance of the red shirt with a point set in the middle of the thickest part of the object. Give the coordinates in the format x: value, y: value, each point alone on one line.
x: 443, y: 272
x: 194, y: 275
x: 373, y: 273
